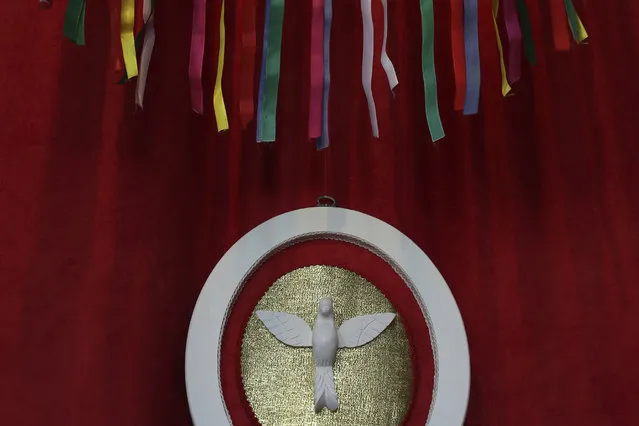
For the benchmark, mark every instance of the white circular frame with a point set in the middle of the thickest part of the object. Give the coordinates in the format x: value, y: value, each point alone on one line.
x: 448, y: 336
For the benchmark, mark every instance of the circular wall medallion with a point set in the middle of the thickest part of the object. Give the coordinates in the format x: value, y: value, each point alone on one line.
x: 440, y: 312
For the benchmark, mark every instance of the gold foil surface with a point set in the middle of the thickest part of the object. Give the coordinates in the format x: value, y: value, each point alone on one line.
x: 373, y: 382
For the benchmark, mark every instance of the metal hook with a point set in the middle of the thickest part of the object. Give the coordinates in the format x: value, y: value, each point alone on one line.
x: 326, y: 201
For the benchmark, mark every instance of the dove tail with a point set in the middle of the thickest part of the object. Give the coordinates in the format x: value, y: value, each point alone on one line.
x: 325, y: 395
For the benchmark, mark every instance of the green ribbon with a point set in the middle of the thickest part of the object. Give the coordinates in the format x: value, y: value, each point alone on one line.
x: 428, y: 70
x: 526, y: 32
x: 272, y: 77
x: 74, y: 21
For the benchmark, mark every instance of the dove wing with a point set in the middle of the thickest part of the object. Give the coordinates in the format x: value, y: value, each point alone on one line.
x: 360, y: 330
x: 288, y: 328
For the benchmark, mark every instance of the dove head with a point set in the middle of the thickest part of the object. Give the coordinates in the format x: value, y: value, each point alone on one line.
x: 326, y: 306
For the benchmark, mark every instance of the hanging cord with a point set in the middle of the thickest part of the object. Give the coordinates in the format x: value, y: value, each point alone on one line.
x: 326, y: 200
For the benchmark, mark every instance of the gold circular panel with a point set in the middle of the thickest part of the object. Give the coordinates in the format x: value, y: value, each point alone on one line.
x: 374, y: 382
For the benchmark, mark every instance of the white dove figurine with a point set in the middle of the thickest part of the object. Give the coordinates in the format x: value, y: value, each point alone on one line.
x: 325, y: 339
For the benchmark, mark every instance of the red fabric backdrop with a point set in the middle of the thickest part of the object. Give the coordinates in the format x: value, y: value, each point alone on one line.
x: 111, y: 220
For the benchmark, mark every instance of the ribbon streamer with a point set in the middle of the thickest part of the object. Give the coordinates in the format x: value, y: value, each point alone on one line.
x: 74, y: 21
x: 577, y: 28
x: 247, y: 65
x: 428, y: 70
x: 147, y: 50
x: 322, y: 142
x: 385, y: 60
x: 367, y: 63
x: 317, y: 70
x: 218, y: 99
x: 127, y: 16
x: 560, y: 34
x: 198, y: 36
x: 115, y: 46
x: 526, y: 30
x: 457, y: 44
x: 513, y: 31
x: 505, y: 87
x: 260, y: 95
x: 272, y: 71
x: 473, y: 70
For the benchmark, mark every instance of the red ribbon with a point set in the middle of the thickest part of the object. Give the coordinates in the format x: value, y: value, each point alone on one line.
x: 139, y: 18
x: 317, y: 70
x: 459, y: 58
x: 561, y: 36
x: 247, y: 64
x: 115, y: 45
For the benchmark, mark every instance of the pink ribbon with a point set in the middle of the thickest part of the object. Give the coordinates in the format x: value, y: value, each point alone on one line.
x: 317, y: 70
x: 513, y: 31
x: 198, y: 36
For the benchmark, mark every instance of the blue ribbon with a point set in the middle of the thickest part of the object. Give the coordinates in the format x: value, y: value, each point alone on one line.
x: 471, y: 44
x: 322, y: 142
x: 260, y: 97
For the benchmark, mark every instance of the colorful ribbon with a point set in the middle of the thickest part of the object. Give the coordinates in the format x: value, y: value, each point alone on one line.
x: 473, y: 70
x: 505, y: 87
x: 272, y: 72
x: 74, y: 21
x: 513, y: 30
x: 526, y: 30
x: 322, y: 142
x: 367, y: 63
x: 385, y: 60
x: 115, y: 46
x: 218, y: 99
x: 247, y: 65
x: 262, y: 88
x: 198, y: 37
x: 457, y: 44
x: 147, y: 50
x: 428, y: 70
x: 560, y: 34
x: 577, y: 28
x: 317, y: 70
x: 127, y: 17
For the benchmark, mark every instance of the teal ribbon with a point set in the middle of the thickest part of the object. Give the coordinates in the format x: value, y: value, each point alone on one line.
x: 526, y: 32
x: 74, y: 21
x: 272, y: 73
x: 428, y: 70
x: 260, y: 93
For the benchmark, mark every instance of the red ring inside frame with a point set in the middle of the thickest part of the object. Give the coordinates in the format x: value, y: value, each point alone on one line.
x: 347, y: 256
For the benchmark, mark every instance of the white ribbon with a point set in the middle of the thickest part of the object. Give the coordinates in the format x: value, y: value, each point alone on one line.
x: 385, y: 60
x: 367, y: 63
x: 147, y: 50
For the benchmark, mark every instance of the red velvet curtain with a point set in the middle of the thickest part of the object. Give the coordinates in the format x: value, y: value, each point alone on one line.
x: 111, y: 219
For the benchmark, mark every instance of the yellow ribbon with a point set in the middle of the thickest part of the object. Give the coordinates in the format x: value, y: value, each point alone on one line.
x: 505, y: 87
x: 127, y: 21
x: 218, y: 99
x: 582, y: 34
